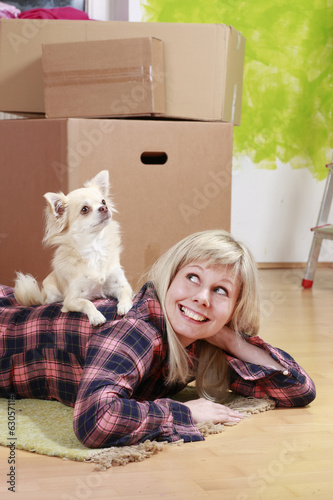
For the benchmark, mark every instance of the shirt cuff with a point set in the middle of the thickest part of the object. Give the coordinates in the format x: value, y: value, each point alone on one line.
x: 251, y: 371
x: 182, y: 425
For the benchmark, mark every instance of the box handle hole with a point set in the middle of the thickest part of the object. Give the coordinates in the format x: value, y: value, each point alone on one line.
x: 154, y: 158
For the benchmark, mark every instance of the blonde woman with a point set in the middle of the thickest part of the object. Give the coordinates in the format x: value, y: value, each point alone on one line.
x: 197, y: 318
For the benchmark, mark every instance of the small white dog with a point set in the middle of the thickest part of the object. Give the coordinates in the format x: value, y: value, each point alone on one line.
x: 86, y: 262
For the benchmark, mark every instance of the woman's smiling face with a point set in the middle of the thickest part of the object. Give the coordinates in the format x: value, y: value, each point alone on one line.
x: 200, y: 301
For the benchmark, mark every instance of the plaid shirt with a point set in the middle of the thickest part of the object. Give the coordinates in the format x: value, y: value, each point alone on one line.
x: 114, y: 375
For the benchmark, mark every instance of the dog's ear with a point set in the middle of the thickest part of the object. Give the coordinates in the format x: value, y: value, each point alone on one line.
x: 101, y: 180
x: 57, y: 204
x: 56, y: 215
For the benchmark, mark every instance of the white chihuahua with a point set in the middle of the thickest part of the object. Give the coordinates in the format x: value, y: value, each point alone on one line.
x: 86, y: 262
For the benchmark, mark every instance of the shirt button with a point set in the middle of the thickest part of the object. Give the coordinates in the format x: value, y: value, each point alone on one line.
x: 285, y: 372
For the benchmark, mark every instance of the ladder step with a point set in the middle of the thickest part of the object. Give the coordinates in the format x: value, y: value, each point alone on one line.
x: 326, y: 230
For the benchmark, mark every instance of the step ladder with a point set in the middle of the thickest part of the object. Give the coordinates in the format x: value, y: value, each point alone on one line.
x: 322, y: 230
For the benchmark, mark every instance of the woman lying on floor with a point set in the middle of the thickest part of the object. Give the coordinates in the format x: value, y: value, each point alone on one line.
x: 196, y: 319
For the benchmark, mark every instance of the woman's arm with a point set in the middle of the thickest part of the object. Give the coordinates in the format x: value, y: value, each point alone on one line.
x: 260, y: 370
x: 241, y: 349
x: 116, y: 403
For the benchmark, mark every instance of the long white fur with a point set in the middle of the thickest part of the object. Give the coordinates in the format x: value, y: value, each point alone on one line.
x: 86, y: 263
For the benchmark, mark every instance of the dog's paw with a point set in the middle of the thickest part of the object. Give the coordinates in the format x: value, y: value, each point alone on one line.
x: 96, y: 319
x: 123, y: 307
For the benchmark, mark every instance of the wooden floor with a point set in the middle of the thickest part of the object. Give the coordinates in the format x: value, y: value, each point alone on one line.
x: 280, y: 454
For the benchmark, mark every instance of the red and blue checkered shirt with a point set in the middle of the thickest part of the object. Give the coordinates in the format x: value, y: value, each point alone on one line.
x: 114, y: 375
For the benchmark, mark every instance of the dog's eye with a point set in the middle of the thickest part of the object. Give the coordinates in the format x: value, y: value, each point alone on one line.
x: 84, y: 210
x: 103, y: 202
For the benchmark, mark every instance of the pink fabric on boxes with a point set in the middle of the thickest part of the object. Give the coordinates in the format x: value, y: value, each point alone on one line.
x: 56, y: 13
x: 8, y: 11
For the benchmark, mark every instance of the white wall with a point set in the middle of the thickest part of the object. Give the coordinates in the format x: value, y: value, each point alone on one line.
x: 273, y: 211
x: 115, y: 10
x: 105, y: 10
x: 135, y: 10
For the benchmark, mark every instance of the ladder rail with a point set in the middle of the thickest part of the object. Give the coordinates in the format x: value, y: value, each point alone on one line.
x: 318, y: 235
x: 327, y: 198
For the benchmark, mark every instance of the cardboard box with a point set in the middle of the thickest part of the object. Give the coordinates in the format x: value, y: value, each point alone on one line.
x: 168, y: 179
x: 104, y: 78
x: 203, y: 63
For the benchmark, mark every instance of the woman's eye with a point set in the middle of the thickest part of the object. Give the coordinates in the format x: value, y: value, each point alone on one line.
x: 193, y: 277
x: 221, y: 291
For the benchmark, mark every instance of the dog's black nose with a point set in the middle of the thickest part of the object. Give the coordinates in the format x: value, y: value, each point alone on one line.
x: 103, y: 208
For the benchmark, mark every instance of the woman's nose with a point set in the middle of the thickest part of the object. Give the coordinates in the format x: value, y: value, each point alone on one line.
x: 202, y: 297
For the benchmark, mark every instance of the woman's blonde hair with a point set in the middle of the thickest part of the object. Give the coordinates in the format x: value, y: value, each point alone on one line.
x: 215, y: 248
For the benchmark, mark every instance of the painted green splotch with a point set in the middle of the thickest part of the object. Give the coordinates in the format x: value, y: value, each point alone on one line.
x: 288, y: 75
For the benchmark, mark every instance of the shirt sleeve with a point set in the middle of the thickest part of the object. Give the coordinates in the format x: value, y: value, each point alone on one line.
x: 107, y: 412
x: 288, y: 388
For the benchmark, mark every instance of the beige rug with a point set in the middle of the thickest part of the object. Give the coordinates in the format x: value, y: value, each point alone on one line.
x: 45, y: 427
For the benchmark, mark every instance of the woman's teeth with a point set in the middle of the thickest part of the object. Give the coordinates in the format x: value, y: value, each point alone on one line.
x: 192, y: 314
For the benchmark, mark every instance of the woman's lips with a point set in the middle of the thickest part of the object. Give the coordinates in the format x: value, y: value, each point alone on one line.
x: 192, y: 314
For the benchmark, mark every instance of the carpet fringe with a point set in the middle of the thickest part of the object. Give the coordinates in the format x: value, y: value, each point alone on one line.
x: 250, y: 406
x: 114, y: 456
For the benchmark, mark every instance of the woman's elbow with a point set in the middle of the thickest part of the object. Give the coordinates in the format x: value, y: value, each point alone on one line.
x: 87, y: 433
x: 298, y: 399
x: 309, y: 392
x: 93, y: 437
x: 91, y: 432
x: 310, y: 396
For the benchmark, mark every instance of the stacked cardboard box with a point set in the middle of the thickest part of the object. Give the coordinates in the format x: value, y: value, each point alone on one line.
x: 154, y: 103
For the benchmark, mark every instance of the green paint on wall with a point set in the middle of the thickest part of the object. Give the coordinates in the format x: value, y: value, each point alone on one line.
x: 288, y: 75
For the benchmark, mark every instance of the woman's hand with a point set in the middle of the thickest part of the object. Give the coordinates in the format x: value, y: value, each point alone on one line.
x: 227, y: 339
x: 231, y: 342
x: 207, y: 411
